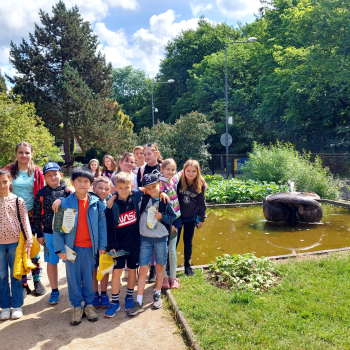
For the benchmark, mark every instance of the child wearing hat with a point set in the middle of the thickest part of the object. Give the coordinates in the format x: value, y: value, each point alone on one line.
x: 43, y: 215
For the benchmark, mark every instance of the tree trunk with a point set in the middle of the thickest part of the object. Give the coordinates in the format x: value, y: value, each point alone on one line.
x: 67, y: 152
x: 72, y: 145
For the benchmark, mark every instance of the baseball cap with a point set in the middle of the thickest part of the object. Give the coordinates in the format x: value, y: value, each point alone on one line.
x: 150, y: 179
x: 51, y: 166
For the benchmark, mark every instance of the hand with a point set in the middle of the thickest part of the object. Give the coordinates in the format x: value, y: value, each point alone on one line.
x: 62, y: 256
x: 200, y: 224
x: 113, y: 251
x: 111, y: 201
x: 173, y: 229
x: 204, y: 183
x: 41, y: 240
x: 158, y: 215
x: 68, y: 190
x: 142, y: 189
x: 28, y: 252
x: 101, y: 251
x: 164, y: 197
x: 55, y: 205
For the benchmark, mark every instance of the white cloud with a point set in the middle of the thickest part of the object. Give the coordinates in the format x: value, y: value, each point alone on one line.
x: 200, y: 8
x: 145, y: 49
x: 238, y: 8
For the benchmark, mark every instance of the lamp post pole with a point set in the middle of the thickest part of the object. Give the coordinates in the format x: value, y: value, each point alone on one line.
x: 170, y: 81
x: 250, y: 40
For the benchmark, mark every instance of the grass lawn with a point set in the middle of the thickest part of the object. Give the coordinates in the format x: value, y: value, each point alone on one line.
x: 308, y: 310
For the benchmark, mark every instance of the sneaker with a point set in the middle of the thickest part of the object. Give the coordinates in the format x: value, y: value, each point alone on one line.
x: 189, y: 271
x: 54, y: 298
x: 16, y: 313
x: 104, y: 301
x: 112, y: 309
x: 39, y: 288
x: 174, y: 283
x: 96, y: 301
x: 157, y: 301
x: 129, y: 302
x: 90, y: 313
x: 165, y: 284
x: 26, y: 291
x: 152, y: 274
x: 77, y: 316
x: 5, y: 314
x: 136, y: 309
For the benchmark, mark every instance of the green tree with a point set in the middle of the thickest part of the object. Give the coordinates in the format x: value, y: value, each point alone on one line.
x: 3, y: 87
x: 14, y: 113
x: 182, y: 140
x: 61, y: 58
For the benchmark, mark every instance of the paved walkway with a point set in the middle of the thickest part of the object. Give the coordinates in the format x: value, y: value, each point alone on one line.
x: 47, y: 327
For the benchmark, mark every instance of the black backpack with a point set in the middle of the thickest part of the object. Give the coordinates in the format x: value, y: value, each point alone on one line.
x: 163, y: 209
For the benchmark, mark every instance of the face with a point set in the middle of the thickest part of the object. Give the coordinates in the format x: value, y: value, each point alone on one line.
x: 153, y: 190
x: 123, y: 189
x: 169, y: 171
x: 5, y: 184
x: 127, y: 165
x: 53, y: 178
x: 108, y: 163
x: 24, y: 154
x: 150, y: 156
x: 94, y: 166
x: 191, y: 172
x: 102, y: 189
x: 81, y: 185
x: 139, y: 155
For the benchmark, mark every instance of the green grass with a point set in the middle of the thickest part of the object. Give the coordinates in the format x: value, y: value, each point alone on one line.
x: 308, y: 310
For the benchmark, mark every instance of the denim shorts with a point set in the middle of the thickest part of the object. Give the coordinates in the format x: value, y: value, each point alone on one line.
x: 50, y: 257
x: 160, y: 250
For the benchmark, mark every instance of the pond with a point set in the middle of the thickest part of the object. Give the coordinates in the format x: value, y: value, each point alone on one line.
x: 242, y: 230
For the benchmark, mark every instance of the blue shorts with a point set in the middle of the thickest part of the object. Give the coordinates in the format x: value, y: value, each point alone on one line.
x: 160, y: 250
x: 51, y: 258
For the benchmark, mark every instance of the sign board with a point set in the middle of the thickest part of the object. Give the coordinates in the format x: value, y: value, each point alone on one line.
x: 223, y: 140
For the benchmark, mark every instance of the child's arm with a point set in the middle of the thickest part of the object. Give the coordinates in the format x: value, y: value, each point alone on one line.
x: 166, y: 218
x: 23, y: 214
x: 163, y: 197
x: 202, y: 207
x: 37, y: 210
x: 102, y: 231
x: 111, y: 201
x: 56, y: 204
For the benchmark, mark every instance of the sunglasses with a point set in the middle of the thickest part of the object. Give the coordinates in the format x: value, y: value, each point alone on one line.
x: 150, y: 145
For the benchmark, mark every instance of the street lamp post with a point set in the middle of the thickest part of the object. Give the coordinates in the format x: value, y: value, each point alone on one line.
x: 250, y: 40
x: 170, y: 81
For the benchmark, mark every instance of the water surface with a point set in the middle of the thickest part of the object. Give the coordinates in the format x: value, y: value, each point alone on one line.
x: 244, y: 230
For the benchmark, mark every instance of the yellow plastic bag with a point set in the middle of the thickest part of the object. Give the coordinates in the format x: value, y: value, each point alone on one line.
x: 106, y: 264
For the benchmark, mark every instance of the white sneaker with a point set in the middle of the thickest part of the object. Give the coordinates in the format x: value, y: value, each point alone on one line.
x: 5, y: 314
x: 16, y: 313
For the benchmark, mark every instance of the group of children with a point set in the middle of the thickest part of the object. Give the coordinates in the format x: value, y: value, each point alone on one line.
x: 140, y: 225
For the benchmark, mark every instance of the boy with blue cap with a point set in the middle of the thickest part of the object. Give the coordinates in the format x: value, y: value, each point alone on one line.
x: 43, y: 215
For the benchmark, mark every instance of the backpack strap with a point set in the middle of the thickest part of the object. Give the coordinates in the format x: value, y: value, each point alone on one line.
x: 19, y: 219
x: 144, y: 202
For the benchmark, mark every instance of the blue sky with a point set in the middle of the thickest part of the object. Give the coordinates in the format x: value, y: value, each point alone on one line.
x: 130, y: 31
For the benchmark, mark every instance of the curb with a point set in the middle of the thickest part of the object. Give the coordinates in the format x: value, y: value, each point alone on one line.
x: 187, y: 328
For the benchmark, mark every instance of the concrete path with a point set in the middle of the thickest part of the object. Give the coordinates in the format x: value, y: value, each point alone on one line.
x: 47, y: 327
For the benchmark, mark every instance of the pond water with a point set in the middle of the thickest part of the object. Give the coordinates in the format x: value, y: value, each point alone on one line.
x: 242, y: 230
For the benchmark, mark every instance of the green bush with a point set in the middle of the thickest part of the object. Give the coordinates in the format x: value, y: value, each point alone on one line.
x: 243, y: 272
x: 234, y: 190
x: 280, y: 163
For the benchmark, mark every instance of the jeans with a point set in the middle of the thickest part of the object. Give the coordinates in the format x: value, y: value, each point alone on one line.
x: 160, y: 249
x: 80, y: 277
x: 188, y: 240
x: 172, y: 259
x: 7, y: 259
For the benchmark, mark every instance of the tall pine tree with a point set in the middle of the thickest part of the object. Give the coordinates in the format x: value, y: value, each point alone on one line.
x: 70, y: 82
x: 3, y: 87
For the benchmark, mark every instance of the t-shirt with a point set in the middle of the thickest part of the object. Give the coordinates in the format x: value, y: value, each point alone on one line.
x: 82, y: 238
x: 148, y: 169
x: 23, y: 186
x: 108, y: 173
x: 127, y: 232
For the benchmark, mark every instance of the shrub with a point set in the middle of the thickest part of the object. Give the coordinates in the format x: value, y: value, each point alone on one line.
x: 243, y: 272
x: 281, y: 162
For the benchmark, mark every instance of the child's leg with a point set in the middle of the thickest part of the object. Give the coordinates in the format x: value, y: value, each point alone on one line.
x: 114, y: 305
x: 146, y: 249
x: 160, y: 275
x: 172, y: 257
x: 131, y: 278
x: 188, y: 239
x: 52, y: 274
x: 87, y: 271
x: 104, y: 283
x: 95, y: 281
x: 161, y: 251
x: 142, y: 279
x: 179, y: 230
x: 116, y: 281
x: 51, y: 259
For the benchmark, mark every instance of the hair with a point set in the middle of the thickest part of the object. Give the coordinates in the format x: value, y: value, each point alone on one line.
x: 14, y: 166
x: 126, y: 155
x: 137, y: 148
x: 83, y: 172
x: 114, y: 164
x: 154, y: 148
x: 5, y: 172
x: 168, y: 161
x: 197, y: 183
x: 98, y: 171
x: 104, y: 179
x: 122, y: 178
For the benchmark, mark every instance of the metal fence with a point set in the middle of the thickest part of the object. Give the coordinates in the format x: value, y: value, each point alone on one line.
x: 338, y: 163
